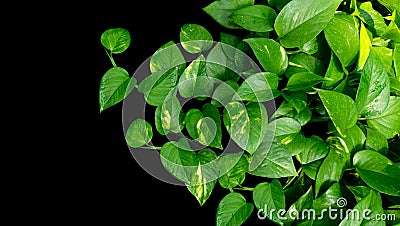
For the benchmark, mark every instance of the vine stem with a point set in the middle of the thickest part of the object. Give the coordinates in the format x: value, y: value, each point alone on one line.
x: 151, y: 147
x: 244, y: 188
x: 293, y: 178
x: 319, y: 119
x: 111, y: 58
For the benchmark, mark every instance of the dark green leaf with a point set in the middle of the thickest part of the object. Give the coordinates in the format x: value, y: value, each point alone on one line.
x: 284, y: 126
x: 376, y: 141
x: 358, y: 216
x: 298, y: 99
x: 343, y: 37
x: 304, y: 116
x: 117, y: 40
x: 233, y: 210
x: 311, y: 169
x: 325, y: 201
x: 192, y: 117
x: 304, y: 202
x: 396, y: 60
x: 354, y: 139
x: 312, y: 149
x: 212, y: 113
x: 301, y: 21
x: 258, y: 18
x: 222, y: 10
x: 195, y: 38
x: 390, y: 4
x: 341, y: 109
x: 359, y: 192
x: 334, y: 74
x: 270, y: 54
x: 332, y: 168
x: 113, y: 87
x: 269, y: 196
x: 139, y: 133
x: 378, y: 172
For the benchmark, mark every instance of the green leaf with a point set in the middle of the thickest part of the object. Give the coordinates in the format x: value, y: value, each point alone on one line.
x: 259, y: 87
x: 283, y: 127
x: 311, y: 169
x: 233, y: 210
x: 385, y: 54
x: 219, y: 64
x: 158, y: 121
x: 192, y: 117
x: 354, y: 139
x: 378, y: 172
x: 325, y: 201
x: 373, y: 203
x: 246, y: 124
x: 301, y: 21
x: 224, y: 93
x: 270, y: 54
x: 233, y: 168
x: 204, y: 179
x: 195, y: 38
x: 374, y: 88
x: 298, y: 99
x: 396, y: 60
x: 272, y: 160
x: 167, y: 57
x: 212, y: 113
x: 157, y: 86
x: 302, y: 62
x: 293, y: 142
x: 171, y: 114
x: 359, y: 192
x: 197, y: 170
x: 117, y: 40
x: 194, y: 81
x: 388, y: 123
x: 332, y: 168
x: 304, y: 116
x: 139, y: 133
x: 334, y: 74
x: 270, y: 196
x: 258, y: 18
x: 304, y: 202
x: 374, y: 20
x: 303, y: 81
x: 342, y: 36
x: 365, y: 47
x: 222, y: 10
x: 312, y: 149
x: 392, y: 32
x: 376, y: 141
x: 113, y: 87
x: 341, y: 109
x: 205, y: 126
x: 390, y: 4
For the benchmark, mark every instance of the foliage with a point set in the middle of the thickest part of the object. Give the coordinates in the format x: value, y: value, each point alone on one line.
x: 332, y: 71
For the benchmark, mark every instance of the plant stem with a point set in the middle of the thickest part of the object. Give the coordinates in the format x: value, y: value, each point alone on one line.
x: 151, y: 147
x: 244, y: 188
x: 293, y: 178
x: 111, y: 58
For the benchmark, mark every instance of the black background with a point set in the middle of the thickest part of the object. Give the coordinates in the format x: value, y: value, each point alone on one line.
x: 121, y: 192
x: 82, y: 171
